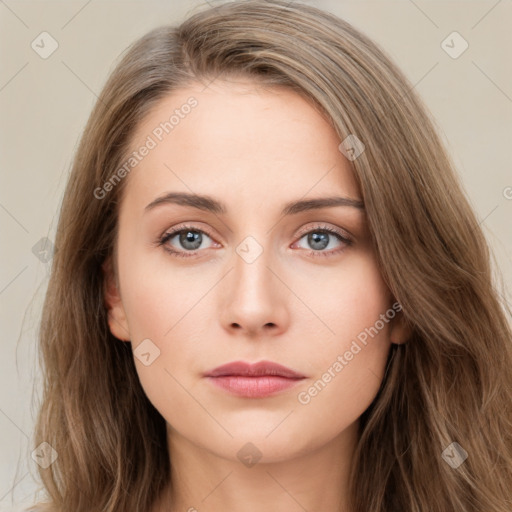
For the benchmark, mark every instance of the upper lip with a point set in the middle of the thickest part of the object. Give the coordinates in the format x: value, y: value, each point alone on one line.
x: 258, y: 369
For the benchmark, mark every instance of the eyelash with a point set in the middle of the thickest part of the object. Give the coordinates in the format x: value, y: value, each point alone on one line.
x: 320, y: 228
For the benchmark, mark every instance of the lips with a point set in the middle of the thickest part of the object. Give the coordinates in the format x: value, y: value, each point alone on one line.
x: 259, y: 369
x: 258, y: 380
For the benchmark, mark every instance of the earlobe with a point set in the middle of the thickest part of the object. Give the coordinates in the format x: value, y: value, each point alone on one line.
x: 112, y: 300
x: 400, y: 331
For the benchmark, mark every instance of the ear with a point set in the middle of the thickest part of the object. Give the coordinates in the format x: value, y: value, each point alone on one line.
x: 400, y: 330
x: 112, y: 299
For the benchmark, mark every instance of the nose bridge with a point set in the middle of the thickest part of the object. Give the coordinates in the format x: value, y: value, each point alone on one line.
x: 251, y: 273
x: 253, y: 299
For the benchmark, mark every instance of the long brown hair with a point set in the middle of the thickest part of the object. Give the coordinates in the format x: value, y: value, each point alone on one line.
x: 450, y: 383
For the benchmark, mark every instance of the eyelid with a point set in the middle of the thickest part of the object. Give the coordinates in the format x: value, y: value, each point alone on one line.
x: 320, y: 226
x: 172, y: 232
x: 343, y: 236
x: 302, y: 231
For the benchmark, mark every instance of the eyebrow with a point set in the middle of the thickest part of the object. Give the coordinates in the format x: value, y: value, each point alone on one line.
x: 209, y: 204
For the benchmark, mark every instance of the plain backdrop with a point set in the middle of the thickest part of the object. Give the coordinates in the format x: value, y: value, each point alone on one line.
x: 45, y: 102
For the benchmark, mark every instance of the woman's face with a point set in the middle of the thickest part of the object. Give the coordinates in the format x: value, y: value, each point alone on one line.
x: 255, y: 279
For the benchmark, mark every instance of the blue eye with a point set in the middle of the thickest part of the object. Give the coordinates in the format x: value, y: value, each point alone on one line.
x: 319, y: 238
x: 191, y: 238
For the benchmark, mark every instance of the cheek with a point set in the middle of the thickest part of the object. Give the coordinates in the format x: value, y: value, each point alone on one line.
x: 350, y: 365
x: 166, y: 304
x: 158, y: 296
x: 160, y: 308
x: 345, y: 386
x: 345, y: 299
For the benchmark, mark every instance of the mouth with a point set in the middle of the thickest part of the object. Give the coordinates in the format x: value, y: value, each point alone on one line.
x: 256, y: 380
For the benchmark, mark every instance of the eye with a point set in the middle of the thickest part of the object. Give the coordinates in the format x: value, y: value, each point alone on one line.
x: 188, y: 237
x: 321, y: 237
x: 189, y: 240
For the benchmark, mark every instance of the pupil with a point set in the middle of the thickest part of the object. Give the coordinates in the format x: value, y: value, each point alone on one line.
x: 189, y: 237
x: 318, y: 240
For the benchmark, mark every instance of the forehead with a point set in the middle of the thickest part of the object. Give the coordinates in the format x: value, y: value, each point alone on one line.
x: 238, y: 137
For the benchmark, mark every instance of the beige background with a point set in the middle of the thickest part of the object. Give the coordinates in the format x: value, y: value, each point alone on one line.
x: 44, y: 104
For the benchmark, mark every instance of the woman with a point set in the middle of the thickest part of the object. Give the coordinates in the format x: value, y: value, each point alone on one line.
x: 270, y: 291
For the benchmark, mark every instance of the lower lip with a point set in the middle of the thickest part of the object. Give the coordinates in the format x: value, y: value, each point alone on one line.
x: 254, y: 387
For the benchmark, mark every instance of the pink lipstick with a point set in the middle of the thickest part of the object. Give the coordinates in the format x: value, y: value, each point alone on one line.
x: 257, y: 380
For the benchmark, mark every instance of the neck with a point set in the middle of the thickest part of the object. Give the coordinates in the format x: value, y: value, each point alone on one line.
x: 202, y: 481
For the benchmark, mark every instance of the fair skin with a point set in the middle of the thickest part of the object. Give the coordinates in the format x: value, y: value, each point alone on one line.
x: 254, y: 150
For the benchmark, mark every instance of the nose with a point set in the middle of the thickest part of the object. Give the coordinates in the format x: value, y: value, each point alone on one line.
x: 254, y: 298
